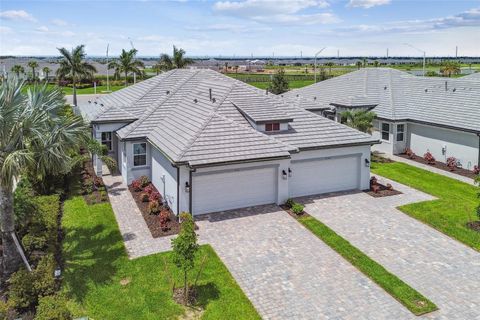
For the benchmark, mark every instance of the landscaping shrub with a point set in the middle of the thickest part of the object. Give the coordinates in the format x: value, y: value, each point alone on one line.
x: 7, y: 312
x: 149, y: 189
x: 409, y: 153
x: 53, y: 308
x: 44, y: 281
x: 22, y: 294
x: 297, y: 208
x: 153, y: 207
x: 164, y: 218
x: 429, y: 158
x: 136, y: 185
x: 103, y: 196
x: 88, y: 185
x: 31, y: 242
x: 144, y: 181
x: 154, y: 196
x: 289, y: 203
x: 144, y: 196
x: 452, y: 163
x: 476, y: 169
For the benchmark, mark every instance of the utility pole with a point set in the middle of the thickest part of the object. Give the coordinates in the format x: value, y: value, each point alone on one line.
x: 134, y: 74
x: 424, y: 53
x: 108, y: 84
x: 456, y: 52
x: 387, y: 53
x: 315, y: 64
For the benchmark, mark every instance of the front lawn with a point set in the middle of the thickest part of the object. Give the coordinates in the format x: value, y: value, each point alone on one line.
x: 90, y: 90
x: 104, y: 284
x: 406, y: 295
x: 449, y: 214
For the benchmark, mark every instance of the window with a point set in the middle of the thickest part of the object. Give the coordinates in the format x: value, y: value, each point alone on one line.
x: 400, y: 132
x: 386, y: 131
x: 139, y: 154
x: 272, y: 126
x: 107, y: 140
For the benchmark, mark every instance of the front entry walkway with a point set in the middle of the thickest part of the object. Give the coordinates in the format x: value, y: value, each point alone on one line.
x: 439, y: 267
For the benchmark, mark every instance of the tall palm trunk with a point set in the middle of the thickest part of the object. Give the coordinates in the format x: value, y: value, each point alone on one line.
x: 126, y: 79
x: 11, y: 259
x: 74, y: 86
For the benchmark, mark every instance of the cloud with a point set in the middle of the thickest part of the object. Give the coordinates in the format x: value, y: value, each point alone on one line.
x: 367, y: 3
x: 17, y: 15
x: 42, y: 29
x: 5, y: 30
x: 59, y: 22
x: 232, y: 28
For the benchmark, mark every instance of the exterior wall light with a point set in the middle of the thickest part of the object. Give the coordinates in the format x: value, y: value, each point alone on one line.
x: 187, y: 187
x: 367, y: 163
x: 289, y: 172
x: 284, y: 174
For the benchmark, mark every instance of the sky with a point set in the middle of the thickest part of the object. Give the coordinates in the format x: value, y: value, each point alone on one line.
x: 243, y: 27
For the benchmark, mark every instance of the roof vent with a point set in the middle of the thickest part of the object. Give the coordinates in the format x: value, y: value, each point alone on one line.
x: 454, y: 89
x: 195, y: 100
x: 213, y: 100
x: 210, y: 93
x: 101, y: 104
x: 266, y: 91
x: 297, y: 95
x: 385, y: 88
x: 314, y: 98
x: 89, y: 101
x: 168, y: 92
x: 95, y: 102
x: 426, y: 90
x: 446, y: 85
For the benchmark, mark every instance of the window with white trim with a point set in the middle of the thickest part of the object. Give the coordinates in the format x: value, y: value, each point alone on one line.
x: 400, y: 132
x: 107, y: 140
x: 385, y: 131
x: 139, y: 154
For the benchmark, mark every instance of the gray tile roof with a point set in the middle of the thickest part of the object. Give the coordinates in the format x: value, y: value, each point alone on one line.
x: 473, y: 76
x: 452, y: 102
x: 175, y: 113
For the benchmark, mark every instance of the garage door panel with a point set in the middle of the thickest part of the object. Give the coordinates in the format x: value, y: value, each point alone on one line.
x: 226, y: 190
x: 324, y: 175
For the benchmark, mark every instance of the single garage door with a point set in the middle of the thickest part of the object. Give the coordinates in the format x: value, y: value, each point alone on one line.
x: 224, y: 190
x: 324, y: 175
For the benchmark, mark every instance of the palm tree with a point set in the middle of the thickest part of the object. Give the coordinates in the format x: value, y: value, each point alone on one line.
x: 36, y: 138
x: 449, y: 68
x: 33, y: 65
x: 46, y: 71
x: 73, y: 65
x: 376, y: 63
x: 18, y: 69
x: 329, y: 65
x: 358, y: 64
x: 127, y: 63
x: 177, y: 61
x: 361, y: 120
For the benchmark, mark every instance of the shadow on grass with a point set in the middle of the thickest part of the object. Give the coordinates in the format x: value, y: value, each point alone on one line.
x: 91, y: 258
x: 206, y: 293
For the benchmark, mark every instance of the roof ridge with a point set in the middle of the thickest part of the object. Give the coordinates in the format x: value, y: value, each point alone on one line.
x: 204, y: 125
x: 153, y: 107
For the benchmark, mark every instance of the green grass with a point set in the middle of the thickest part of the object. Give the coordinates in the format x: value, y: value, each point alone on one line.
x: 68, y: 90
x: 406, y: 295
x: 449, y: 214
x: 292, y: 84
x: 96, y: 262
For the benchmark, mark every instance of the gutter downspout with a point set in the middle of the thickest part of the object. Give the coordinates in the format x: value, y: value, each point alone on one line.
x: 178, y: 192
x: 190, y: 204
x: 478, y: 163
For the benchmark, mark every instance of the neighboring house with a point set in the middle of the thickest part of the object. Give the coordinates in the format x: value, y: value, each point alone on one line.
x: 210, y: 143
x: 439, y: 115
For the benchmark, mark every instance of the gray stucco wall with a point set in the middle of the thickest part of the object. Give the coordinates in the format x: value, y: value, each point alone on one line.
x: 164, y: 178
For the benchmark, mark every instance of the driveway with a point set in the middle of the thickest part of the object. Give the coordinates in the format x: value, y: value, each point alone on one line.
x: 288, y: 273
x: 444, y: 270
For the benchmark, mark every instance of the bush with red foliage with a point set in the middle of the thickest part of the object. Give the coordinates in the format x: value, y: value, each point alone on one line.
x: 476, y: 169
x: 149, y: 189
x: 452, y: 163
x: 144, y: 181
x: 373, y: 181
x: 429, y: 158
x: 389, y: 187
x: 136, y: 185
x: 154, y: 196
x: 144, y: 196
x: 164, y: 218
x: 154, y: 207
x: 375, y: 188
x: 409, y: 153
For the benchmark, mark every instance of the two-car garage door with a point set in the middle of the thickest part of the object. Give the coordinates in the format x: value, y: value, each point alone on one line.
x: 316, y: 176
x: 231, y: 189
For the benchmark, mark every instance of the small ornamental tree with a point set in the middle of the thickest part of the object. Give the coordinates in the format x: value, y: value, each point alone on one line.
x: 279, y: 83
x: 185, y: 247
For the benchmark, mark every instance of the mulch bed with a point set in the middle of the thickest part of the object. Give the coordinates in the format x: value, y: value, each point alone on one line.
x: 153, y: 220
x: 441, y: 165
x: 474, y: 225
x: 383, y: 191
x: 96, y: 192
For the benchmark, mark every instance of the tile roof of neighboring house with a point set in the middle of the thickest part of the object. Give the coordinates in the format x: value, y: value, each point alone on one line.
x: 175, y: 112
x: 472, y: 76
x: 449, y: 102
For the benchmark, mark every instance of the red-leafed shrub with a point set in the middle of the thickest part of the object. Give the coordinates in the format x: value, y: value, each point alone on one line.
x: 376, y: 188
x: 373, y: 181
x: 451, y: 163
x: 144, y: 181
x: 149, y: 189
x: 409, y: 153
x: 476, y: 169
x: 98, y: 182
x: 389, y: 186
x: 164, y: 218
x: 154, y: 207
x: 154, y: 196
x: 144, y: 196
x: 136, y: 185
x: 429, y: 158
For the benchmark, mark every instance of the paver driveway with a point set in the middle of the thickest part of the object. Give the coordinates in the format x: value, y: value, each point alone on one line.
x: 288, y: 273
x: 444, y: 270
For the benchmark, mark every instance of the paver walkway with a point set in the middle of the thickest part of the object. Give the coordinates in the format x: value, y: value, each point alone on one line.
x: 431, y: 169
x: 444, y: 270
x: 288, y: 273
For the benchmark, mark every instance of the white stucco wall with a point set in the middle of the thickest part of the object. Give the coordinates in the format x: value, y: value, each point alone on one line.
x: 461, y: 145
x: 97, y: 130
x: 385, y: 146
x: 164, y: 178
x: 131, y: 172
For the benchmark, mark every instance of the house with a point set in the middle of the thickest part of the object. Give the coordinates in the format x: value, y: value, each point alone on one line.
x: 210, y: 143
x: 439, y: 115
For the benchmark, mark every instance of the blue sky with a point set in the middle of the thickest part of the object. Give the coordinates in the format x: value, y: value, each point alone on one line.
x: 242, y: 27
